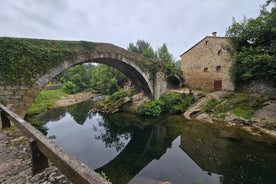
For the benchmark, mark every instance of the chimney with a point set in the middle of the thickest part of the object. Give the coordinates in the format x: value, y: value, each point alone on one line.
x: 214, y: 34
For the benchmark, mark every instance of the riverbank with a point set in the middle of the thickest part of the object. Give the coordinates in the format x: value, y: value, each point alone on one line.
x: 48, y: 99
x: 73, y: 99
x: 263, y: 119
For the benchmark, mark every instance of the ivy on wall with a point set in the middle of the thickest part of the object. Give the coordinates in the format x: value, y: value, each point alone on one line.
x: 23, y: 60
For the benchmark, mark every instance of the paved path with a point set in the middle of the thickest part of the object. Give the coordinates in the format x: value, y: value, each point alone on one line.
x: 15, y: 161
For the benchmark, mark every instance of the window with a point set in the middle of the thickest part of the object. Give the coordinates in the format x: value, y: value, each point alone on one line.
x: 219, y: 52
x: 206, y: 42
x: 205, y: 69
x: 218, y: 69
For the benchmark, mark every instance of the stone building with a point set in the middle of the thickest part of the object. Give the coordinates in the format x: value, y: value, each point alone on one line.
x: 206, y: 65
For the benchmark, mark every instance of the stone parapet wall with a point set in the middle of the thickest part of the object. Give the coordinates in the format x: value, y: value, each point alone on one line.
x: 258, y: 88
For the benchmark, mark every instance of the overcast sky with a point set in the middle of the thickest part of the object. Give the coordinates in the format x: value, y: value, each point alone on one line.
x: 178, y: 23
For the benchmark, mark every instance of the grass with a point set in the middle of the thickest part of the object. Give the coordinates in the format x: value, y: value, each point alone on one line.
x: 241, y: 105
x: 44, y: 100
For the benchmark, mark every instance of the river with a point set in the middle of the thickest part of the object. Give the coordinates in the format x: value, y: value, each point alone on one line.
x: 133, y: 149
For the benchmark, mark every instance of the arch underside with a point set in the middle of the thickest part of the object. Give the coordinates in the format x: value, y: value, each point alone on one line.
x: 173, y: 82
x: 135, y: 76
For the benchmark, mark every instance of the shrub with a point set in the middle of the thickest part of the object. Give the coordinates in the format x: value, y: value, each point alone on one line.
x: 176, y: 102
x: 151, y: 108
x: 170, y: 102
x: 119, y: 94
x: 70, y: 88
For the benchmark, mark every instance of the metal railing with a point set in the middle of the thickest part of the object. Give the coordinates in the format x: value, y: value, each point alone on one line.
x: 43, y: 149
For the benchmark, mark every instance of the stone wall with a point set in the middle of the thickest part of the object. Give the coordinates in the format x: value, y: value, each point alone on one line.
x: 206, y: 62
x: 19, y: 98
x: 258, y: 88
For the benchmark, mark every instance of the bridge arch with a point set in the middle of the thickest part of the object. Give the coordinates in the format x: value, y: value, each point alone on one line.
x: 18, y: 93
x: 139, y: 79
x: 173, y: 82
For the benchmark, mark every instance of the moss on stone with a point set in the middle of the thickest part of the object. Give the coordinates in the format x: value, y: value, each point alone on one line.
x: 22, y: 60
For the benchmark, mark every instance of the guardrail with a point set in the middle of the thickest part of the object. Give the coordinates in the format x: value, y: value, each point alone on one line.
x: 43, y: 149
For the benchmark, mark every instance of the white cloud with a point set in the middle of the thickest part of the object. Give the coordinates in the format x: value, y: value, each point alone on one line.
x: 178, y: 23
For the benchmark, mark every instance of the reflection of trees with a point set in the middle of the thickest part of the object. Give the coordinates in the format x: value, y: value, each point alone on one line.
x: 51, y: 115
x: 232, y: 153
x: 146, y: 144
x: 80, y: 112
x: 113, y: 133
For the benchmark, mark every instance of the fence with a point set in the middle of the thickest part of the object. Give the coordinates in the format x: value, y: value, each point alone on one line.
x: 43, y: 149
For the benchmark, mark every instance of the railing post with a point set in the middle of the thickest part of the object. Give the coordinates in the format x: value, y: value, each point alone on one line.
x: 5, y: 120
x: 39, y: 161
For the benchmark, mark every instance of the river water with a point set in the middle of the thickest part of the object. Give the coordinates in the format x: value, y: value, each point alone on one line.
x: 135, y: 149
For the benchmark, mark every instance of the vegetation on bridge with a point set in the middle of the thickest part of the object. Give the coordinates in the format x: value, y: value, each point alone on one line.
x: 22, y: 60
x: 161, y: 59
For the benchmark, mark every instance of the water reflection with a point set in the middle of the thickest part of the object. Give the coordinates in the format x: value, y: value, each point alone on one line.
x: 134, y: 149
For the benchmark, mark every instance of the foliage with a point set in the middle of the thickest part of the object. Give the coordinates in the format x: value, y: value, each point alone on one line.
x: 23, y: 60
x: 76, y: 78
x: 165, y: 59
x: 119, y: 94
x: 44, y: 100
x: 112, y: 102
x: 40, y: 126
x: 210, y: 104
x: 170, y: 102
x: 102, y: 173
x: 254, y: 47
x: 70, y: 88
x: 142, y: 47
x: 106, y: 79
x: 163, y: 54
x: 176, y: 102
x: 151, y: 108
x: 100, y: 78
x: 238, y: 104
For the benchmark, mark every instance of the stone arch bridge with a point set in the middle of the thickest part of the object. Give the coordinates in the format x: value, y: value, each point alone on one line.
x: 146, y: 75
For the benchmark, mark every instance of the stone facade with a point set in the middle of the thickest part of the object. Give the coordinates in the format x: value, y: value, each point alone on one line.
x: 206, y: 65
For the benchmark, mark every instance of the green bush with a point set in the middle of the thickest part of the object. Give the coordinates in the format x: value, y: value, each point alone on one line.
x: 176, y: 102
x: 119, y: 94
x: 170, y: 102
x: 151, y: 108
x: 70, y: 88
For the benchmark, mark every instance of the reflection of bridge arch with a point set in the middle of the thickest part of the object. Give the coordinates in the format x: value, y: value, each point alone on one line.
x: 144, y: 146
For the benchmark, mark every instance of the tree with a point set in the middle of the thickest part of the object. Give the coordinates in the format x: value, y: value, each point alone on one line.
x: 105, y: 79
x: 142, y: 47
x: 254, y: 47
x: 76, y: 78
x: 164, y: 55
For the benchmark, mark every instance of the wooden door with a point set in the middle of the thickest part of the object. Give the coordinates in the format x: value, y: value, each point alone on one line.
x: 217, y: 85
